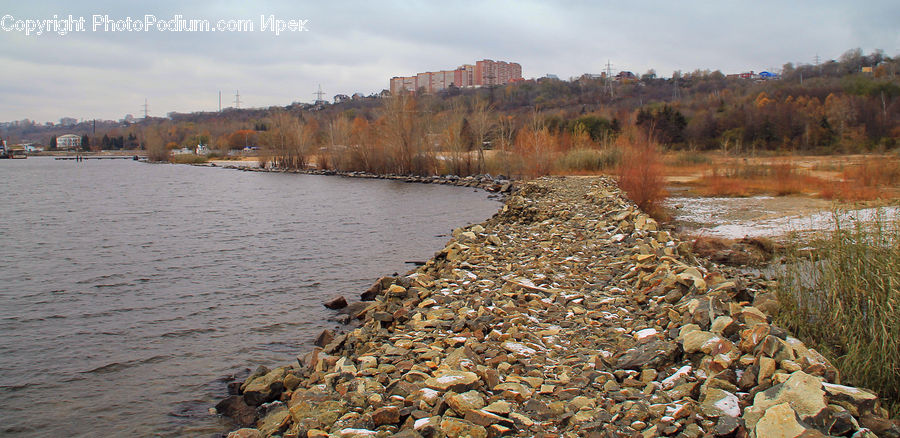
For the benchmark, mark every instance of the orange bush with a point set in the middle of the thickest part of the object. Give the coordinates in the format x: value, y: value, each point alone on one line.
x: 640, y: 173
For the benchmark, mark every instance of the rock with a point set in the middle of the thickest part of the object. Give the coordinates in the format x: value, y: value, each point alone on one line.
x: 724, y: 326
x: 357, y: 310
x: 245, y: 433
x: 485, y: 418
x: 780, y: 421
x: 766, y: 369
x: 291, y: 382
x: 697, y: 340
x: 726, y: 426
x: 275, y: 421
x: 428, y: 427
x: 265, y: 388
x: 719, y: 403
x: 386, y: 415
x: 356, y: 433
x: 238, y: 410
x: 324, y: 338
x: 315, y: 409
x: 456, y: 381
x: 500, y: 407
x: 461, y: 403
x: 375, y: 289
x: 881, y: 426
x: 649, y: 355
x: 337, y: 302
x: 457, y: 428
x: 857, y: 401
x: 801, y: 392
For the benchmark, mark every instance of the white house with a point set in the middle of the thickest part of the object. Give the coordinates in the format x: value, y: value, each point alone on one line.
x: 68, y: 141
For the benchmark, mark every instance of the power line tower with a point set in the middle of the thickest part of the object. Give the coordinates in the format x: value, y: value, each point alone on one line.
x: 816, y: 59
x: 237, y: 99
x: 676, y: 92
x: 146, y: 108
x: 609, y: 86
x: 220, y: 100
x: 320, y: 95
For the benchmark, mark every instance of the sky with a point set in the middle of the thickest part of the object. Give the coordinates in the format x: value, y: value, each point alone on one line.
x: 357, y: 46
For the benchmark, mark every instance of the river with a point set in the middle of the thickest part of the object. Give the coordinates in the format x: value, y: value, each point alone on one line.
x: 129, y: 292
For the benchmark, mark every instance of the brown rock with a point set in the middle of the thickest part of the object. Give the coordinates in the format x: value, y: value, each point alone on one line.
x: 386, y: 415
x: 337, y: 302
x: 239, y: 411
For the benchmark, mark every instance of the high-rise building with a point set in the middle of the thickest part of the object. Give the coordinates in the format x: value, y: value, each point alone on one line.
x: 483, y: 73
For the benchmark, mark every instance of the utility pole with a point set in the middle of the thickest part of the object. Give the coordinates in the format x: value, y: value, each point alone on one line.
x: 237, y: 99
x: 491, y: 80
x: 609, y: 87
x: 146, y: 109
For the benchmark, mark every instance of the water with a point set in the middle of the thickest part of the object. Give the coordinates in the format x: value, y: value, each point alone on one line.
x: 766, y: 216
x: 128, y: 291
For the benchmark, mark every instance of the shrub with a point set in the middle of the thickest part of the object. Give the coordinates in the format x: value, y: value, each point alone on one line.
x: 846, y: 302
x: 640, y: 173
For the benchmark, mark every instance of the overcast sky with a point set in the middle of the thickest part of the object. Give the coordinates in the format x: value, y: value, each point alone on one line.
x: 356, y: 46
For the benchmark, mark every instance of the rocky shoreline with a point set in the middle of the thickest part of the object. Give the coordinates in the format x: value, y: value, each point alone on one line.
x: 569, y: 313
x: 489, y: 183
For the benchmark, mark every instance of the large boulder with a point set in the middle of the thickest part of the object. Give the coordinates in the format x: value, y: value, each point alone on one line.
x: 264, y: 389
x: 337, y: 302
x: 780, y: 421
x: 801, y: 392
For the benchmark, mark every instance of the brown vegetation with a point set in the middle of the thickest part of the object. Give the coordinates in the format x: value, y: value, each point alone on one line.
x: 640, y: 172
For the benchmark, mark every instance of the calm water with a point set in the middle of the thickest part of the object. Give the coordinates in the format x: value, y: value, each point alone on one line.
x: 129, y: 290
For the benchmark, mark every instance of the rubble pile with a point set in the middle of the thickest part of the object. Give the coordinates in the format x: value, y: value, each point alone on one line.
x: 570, y: 313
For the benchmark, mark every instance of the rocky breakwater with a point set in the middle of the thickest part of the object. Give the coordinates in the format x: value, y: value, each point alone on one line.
x: 498, y: 184
x: 569, y: 313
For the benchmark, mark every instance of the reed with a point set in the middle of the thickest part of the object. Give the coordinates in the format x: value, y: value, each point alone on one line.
x: 845, y: 301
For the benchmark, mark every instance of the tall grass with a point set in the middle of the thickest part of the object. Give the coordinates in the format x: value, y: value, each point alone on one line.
x: 846, y: 302
x: 588, y: 160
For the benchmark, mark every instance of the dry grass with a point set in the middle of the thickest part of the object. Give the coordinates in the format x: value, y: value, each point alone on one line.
x: 748, y: 179
x: 588, y: 160
x: 872, y: 178
x: 187, y: 159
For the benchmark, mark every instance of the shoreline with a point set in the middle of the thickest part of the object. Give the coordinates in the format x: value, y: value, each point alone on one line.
x: 567, y: 313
